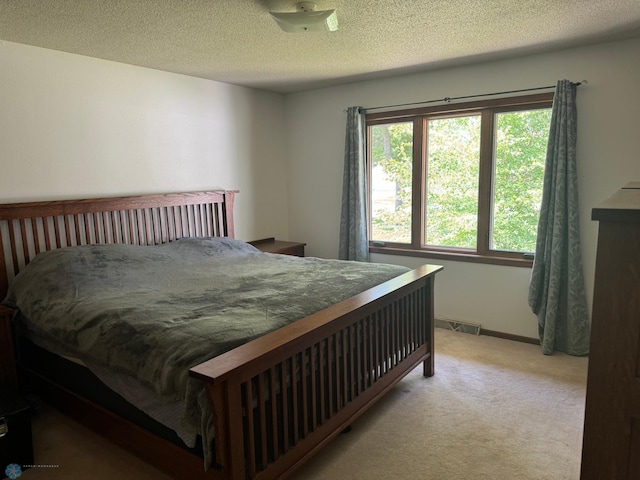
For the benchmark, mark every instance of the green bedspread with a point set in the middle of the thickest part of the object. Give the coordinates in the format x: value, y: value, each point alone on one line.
x: 152, y: 312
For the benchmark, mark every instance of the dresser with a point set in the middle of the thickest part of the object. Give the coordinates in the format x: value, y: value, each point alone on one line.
x: 611, y: 443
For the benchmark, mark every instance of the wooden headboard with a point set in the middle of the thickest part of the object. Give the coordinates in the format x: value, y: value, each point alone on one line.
x: 27, y: 229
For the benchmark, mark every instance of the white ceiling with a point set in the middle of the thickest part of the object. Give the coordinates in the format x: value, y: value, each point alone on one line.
x: 237, y: 41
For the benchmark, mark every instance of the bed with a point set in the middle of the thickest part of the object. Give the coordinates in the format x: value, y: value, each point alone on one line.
x: 271, y: 400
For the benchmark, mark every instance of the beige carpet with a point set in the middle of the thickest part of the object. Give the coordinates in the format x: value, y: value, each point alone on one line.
x: 495, y: 409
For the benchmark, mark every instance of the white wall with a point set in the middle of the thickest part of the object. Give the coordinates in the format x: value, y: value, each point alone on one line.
x: 74, y: 127
x: 608, y: 157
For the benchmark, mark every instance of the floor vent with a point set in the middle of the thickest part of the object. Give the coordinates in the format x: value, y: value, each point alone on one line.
x: 458, y: 325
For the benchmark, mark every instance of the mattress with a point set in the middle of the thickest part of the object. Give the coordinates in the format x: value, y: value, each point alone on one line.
x: 167, y: 412
x: 73, y: 375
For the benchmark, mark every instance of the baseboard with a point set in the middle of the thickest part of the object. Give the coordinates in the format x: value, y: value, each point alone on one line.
x: 509, y: 336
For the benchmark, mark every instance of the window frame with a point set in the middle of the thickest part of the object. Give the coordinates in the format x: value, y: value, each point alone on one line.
x: 487, y: 109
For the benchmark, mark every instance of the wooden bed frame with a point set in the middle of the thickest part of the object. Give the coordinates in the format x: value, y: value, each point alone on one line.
x: 276, y: 400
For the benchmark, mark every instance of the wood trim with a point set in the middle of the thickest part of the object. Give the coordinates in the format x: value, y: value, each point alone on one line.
x: 509, y: 336
x: 508, y: 261
x: 482, y: 252
x: 418, y: 182
x: 485, y: 182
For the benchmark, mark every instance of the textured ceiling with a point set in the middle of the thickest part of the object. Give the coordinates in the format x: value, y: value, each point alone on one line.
x: 237, y: 41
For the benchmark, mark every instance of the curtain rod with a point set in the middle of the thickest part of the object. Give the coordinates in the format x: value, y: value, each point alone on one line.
x: 448, y: 99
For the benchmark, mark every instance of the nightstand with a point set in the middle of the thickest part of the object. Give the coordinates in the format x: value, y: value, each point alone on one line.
x: 16, y: 446
x: 271, y: 245
x: 8, y: 374
x: 16, y: 441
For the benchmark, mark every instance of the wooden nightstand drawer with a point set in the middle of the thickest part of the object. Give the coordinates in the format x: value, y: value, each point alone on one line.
x: 271, y: 245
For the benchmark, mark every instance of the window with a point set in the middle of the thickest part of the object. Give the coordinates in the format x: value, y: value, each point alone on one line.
x: 459, y: 181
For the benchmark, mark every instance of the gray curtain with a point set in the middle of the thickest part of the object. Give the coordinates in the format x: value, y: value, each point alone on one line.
x: 354, y: 244
x: 556, y: 291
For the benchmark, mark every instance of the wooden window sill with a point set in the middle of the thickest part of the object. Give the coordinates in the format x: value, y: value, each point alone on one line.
x: 455, y: 256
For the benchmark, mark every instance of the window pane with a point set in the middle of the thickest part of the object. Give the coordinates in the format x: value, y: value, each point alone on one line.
x: 453, y: 167
x: 521, y: 145
x: 391, y: 168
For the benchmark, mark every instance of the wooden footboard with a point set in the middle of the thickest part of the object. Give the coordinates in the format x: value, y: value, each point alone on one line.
x: 280, y: 398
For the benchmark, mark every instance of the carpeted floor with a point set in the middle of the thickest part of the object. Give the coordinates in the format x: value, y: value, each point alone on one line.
x: 496, y: 409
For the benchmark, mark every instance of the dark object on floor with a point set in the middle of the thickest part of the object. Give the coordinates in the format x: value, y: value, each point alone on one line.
x: 16, y: 445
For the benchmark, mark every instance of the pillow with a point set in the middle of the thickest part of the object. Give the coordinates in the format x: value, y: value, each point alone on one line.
x: 216, y: 245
